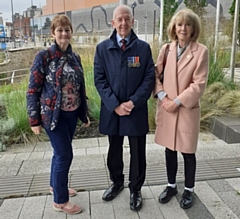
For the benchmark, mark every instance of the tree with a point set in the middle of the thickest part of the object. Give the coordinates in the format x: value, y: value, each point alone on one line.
x: 198, y: 7
x: 170, y: 7
x: 232, y: 12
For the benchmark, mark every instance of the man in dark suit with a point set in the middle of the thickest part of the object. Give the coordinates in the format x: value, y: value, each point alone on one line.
x: 124, y: 78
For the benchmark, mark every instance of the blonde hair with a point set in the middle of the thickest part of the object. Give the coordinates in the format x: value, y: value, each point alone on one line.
x: 188, y: 16
x: 60, y: 20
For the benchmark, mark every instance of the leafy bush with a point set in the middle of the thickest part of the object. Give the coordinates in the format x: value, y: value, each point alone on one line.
x: 221, y: 97
x: 216, y: 73
x: 14, y: 100
x: 6, y: 125
x: 87, y: 56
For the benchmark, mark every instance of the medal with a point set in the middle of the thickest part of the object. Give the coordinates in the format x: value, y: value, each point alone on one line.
x: 133, y: 62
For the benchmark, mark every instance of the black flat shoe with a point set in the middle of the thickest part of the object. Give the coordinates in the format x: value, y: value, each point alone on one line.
x: 187, y: 200
x: 136, y: 201
x: 112, y: 192
x: 167, y: 194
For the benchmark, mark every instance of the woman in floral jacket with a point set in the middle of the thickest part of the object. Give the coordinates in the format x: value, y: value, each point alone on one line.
x: 56, y: 98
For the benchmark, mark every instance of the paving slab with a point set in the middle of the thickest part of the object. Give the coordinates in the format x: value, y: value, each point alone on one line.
x: 42, y: 146
x: 33, y: 206
x: 36, y: 155
x: 170, y: 209
x: 7, y: 157
x: 31, y: 167
x: 22, y: 156
x: 10, y: 168
x: 85, y: 143
x: 11, y: 208
x: 216, y: 191
x: 102, y: 211
x: 213, y: 202
x: 235, y: 183
x: 18, y: 148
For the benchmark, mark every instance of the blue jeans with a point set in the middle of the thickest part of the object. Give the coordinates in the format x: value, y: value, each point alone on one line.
x: 61, y: 141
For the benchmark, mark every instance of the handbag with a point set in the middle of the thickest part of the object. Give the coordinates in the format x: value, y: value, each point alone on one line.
x: 161, y: 76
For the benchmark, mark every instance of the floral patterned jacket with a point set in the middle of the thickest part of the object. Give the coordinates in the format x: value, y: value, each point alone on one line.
x: 44, y: 94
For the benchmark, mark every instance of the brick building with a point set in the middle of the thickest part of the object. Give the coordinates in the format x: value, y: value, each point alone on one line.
x: 60, y: 6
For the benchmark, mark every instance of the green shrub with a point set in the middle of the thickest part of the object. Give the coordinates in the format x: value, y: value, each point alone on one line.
x: 216, y: 73
x: 87, y: 56
x: 220, y: 97
x: 14, y: 99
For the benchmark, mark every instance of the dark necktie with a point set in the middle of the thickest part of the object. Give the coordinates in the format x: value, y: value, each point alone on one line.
x: 123, y: 46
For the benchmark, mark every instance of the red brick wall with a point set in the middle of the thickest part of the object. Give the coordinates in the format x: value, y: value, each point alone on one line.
x: 58, y: 6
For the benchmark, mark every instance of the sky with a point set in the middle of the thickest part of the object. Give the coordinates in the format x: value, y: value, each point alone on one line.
x: 18, y: 7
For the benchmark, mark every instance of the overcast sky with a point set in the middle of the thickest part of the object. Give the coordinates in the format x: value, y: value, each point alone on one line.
x: 18, y: 7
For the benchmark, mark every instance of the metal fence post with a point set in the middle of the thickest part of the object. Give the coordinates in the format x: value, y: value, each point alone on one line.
x: 12, y: 78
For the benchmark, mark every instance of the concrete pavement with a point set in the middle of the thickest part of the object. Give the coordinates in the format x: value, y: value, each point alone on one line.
x: 24, y: 182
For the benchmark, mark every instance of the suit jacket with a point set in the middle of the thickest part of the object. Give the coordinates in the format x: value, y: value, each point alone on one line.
x: 185, y: 80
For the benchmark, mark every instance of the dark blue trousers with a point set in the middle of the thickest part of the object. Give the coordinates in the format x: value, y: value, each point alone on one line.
x: 137, y: 171
x: 61, y: 141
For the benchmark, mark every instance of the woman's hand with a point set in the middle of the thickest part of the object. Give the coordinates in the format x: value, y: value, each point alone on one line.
x: 169, y: 105
x: 85, y: 125
x: 36, y: 129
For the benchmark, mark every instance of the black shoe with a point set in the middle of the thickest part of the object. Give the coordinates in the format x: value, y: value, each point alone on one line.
x: 187, y: 199
x: 167, y: 194
x: 112, y: 192
x: 136, y: 201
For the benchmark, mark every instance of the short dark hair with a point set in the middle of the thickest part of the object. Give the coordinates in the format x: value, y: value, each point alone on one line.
x: 60, y: 20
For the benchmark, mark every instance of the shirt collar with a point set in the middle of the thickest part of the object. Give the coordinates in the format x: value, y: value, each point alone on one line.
x: 119, y: 38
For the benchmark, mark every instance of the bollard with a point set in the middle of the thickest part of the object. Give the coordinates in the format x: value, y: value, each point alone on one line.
x: 2, y: 147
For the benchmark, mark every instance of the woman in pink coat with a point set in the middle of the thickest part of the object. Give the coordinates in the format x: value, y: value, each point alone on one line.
x: 178, y: 105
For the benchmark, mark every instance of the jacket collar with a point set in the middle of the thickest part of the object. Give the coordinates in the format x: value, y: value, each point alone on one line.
x: 187, y: 56
x: 113, y: 40
x: 56, y: 52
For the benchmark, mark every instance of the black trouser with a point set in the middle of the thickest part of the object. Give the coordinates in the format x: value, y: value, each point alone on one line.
x: 137, y: 172
x: 189, y: 167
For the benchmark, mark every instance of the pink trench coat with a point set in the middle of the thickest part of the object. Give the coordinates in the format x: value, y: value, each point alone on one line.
x: 186, y: 81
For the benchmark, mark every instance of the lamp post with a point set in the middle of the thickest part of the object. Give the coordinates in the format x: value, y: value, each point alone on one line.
x: 216, y: 30
x: 234, y: 39
x: 161, y: 22
x: 123, y: 2
x: 136, y: 29
x: 133, y: 7
x: 33, y: 29
x: 111, y: 27
x: 13, y: 33
x: 6, y: 28
x: 41, y: 23
x: 64, y: 7
x: 20, y: 21
x: 98, y: 30
x: 146, y: 20
x: 154, y: 24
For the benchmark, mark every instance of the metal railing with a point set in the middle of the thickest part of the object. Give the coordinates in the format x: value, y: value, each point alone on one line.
x: 236, y: 74
x: 13, y: 76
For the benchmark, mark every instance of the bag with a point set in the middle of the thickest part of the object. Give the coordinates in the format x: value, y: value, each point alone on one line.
x: 161, y: 76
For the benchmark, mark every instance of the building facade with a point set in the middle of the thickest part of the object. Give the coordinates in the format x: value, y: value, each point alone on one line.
x: 60, y: 6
